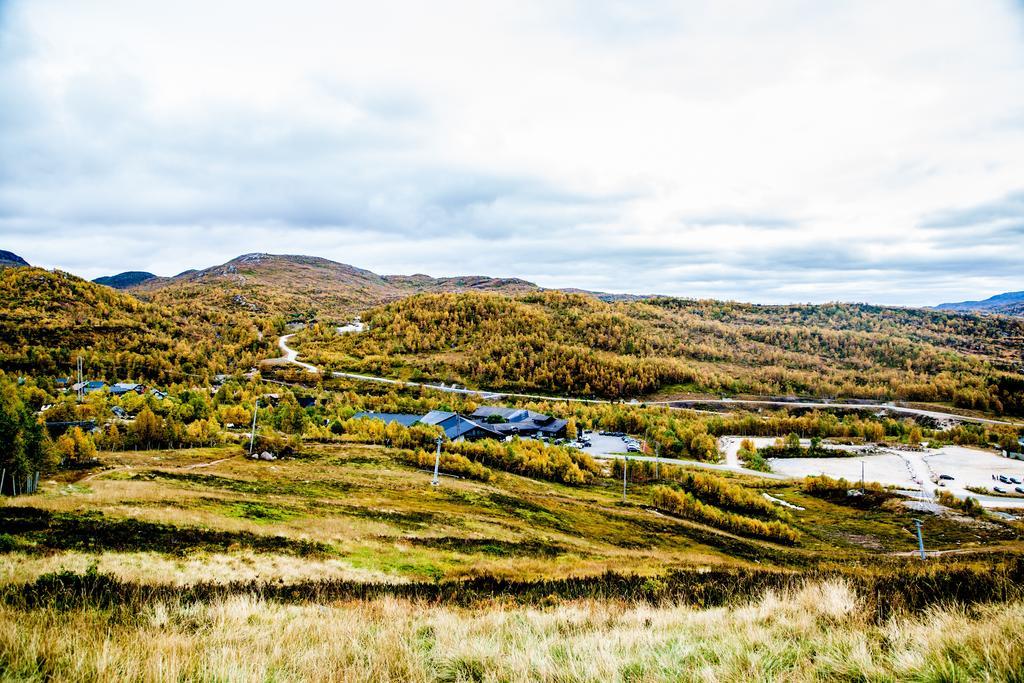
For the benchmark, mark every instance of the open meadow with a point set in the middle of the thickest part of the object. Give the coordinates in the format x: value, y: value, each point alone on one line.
x: 344, y: 563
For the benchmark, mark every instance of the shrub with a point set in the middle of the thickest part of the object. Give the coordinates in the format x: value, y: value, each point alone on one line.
x: 687, y: 506
x: 532, y: 459
x: 451, y: 463
x: 753, y: 460
x: 725, y: 494
x: 968, y: 505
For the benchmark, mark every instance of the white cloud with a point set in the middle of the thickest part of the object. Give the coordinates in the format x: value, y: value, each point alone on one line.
x: 762, y: 151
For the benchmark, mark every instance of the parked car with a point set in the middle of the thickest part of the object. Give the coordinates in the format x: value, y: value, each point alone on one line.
x: 1018, y: 489
x: 632, y: 449
x: 999, y: 489
x: 946, y: 477
x: 1003, y: 478
x: 1015, y: 480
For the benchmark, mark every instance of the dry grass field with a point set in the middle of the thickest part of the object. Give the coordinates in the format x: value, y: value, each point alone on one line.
x: 820, y: 631
x: 343, y: 563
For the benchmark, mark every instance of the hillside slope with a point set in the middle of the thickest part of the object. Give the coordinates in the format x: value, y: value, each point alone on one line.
x: 50, y: 318
x: 578, y: 345
x: 1007, y: 303
x: 8, y: 259
x: 125, y: 280
x: 304, y: 287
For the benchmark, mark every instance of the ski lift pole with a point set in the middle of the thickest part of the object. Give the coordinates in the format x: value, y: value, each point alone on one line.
x: 437, y: 464
x: 920, y: 539
x: 252, y: 438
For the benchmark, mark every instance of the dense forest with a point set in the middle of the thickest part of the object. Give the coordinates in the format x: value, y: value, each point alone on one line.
x: 49, y: 319
x: 575, y: 344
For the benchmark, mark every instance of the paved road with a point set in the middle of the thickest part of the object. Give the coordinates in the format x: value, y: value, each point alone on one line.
x: 693, y: 463
x: 291, y: 356
x: 832, y: 404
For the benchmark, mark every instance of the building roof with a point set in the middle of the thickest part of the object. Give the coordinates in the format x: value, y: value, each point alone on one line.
x: 91, y: 385
x: 455, y: 425
x: 436, y: 417
x: 125, y: 387
x: 510, y: 414
x: 404, y: 419
x: 520, y: 420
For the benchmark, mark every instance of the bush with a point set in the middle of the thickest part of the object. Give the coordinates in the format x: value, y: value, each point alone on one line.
x: 532, y: 459
x: 520, y: 456
x: 725, y: 494
x: 687, y: 506
x: 871, y: 494
x: 451, y: 463
x: 968, y: 505
x: 753, y: 460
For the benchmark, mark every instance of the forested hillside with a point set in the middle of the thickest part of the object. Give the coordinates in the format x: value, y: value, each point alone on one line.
x: 48, y: 319
x: 575, y: 344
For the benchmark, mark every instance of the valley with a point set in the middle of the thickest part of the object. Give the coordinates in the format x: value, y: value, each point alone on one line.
x: 233, y: 448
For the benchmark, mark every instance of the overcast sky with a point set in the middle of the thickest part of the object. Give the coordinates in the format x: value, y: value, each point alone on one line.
x: 762, y: 151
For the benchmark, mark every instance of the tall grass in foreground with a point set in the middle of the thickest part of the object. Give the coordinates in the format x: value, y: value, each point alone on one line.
x: 813, y: 631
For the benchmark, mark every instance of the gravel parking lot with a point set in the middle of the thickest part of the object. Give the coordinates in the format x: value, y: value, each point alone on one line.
x: 909, y: 470
x: 605, y: 445
x: 972, y: 467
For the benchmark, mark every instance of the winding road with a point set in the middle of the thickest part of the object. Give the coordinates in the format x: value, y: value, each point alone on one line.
x: 291, y: 356
x: 891, y: 407
x: 917, y: 465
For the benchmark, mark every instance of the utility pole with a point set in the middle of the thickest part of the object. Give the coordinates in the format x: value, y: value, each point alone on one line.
x: 252, y: 438
x: 625, y: 467
x: 437, y: 463
x: 920, y: 539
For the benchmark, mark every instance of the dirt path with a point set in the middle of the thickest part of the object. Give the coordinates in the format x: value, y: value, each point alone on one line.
x: 127, y: 468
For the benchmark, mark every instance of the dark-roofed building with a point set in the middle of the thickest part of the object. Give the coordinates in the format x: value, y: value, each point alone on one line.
x: 404, y: 419
x: 519, y: 422
x: 89, y: 387
x: 457, y: 427
x: 58, y: 428
x: 122, y: 388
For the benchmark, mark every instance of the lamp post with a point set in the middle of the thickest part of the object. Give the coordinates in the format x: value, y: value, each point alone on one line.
x: 437, y: 463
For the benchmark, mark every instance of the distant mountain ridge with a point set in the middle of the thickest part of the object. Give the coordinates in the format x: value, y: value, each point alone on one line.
x: 8, y: 259
x: 306, y: 287
x: 124, y: 280
x: 1007, y: 303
